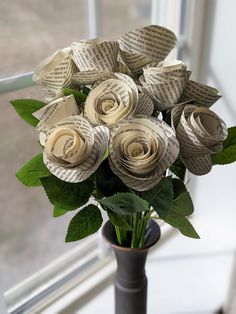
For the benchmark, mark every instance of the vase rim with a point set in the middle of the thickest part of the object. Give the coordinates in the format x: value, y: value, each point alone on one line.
x: 155, y: 234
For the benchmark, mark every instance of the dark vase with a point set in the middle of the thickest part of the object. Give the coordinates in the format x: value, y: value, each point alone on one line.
x: 130, y: 279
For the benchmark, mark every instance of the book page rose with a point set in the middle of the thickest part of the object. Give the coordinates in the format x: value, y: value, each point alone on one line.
x: 165, y: 83
x: 145, y: 45
x: 95, y: 59
x: 141, y: 150
x: 74, y: 149
x: 200, y: 133
x: 54, y: 112
x: 55, y: 72
x: 116, y: 99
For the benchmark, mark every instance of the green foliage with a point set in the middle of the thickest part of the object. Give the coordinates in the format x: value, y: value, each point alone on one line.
x: 160, y: 197
x: 179, y: 169
x: 228, y: 154
x: 181, y: 207
x: 34, y: 170
x: 183, y: 224
x: 25, y: 108
x: 107, y: 183
x: 57, y: 211
x: 80, y: 97
x: 87, y: 221
x: 65, y: 195
x: 118, y: 220
x: 124, y: 203
x: 182, y: 203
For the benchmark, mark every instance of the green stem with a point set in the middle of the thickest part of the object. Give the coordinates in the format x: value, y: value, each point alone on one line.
x: 118, y: 235
x: 134, y: 220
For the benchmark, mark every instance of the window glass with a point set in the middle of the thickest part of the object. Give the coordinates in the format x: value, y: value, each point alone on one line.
x: 118, y: 17
x: 32, y: 29
x: 30, y: 237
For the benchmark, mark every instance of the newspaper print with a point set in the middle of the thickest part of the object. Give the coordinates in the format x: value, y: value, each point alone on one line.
x: 141, y: 149
x: 74, y: 149
x: 200, y: 133
x: 55, y: 73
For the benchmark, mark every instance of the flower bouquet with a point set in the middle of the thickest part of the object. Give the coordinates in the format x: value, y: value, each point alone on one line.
x: 120, y: 126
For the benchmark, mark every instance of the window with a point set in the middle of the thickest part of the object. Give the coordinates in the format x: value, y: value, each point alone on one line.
x: 32, y: 241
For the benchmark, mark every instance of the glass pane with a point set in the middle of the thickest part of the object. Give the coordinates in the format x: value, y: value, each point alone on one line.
x: 31, y: 30
x: 30, y: 237
x: 121, y: 16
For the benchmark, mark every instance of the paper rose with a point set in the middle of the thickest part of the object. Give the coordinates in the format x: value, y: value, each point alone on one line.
x: 200, y: 133
x: 116, y: 99
x: 202, y: 95
x: 165, y: 83
x: 95, y: 60
x: 141, y: 149
x: 145, y: 45
x: 55, y: 73
x: 74, y: 149
x: 53, y: 112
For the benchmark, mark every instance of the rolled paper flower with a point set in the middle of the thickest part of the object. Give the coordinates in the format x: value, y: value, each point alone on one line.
x: 202, y: 95
x: 165, y: 83
x: 141, y: 149
x: 53, y: 112
x: 74, y: 149
x: 116, y: 99
x: 145, y: 45
x: 55, y: 73
x: 94, y: 59
x: 200, y: 133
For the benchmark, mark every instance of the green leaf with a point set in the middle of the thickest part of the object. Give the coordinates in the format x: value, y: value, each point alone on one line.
x: 106, y: 153
x: 118, y: 220
x: 125, y: 203
x: 87, y: 221
x: 65, y: 195
x: 85, y: 90
x: 79, y: 96
x: 25, y: 108
x: 183, y: 205
x: 57, y: 211
x: 161, y: 196
x: 178, y: 169
x: 228, y: 154
x: 183, y: 224
x: 107, y: 184
x: 34, y: 170
x: 179, y: 187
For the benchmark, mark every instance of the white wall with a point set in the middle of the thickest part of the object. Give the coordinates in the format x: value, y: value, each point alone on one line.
x: 215, y: 194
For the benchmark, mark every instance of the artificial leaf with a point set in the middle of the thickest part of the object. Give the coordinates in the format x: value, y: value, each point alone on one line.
x: 57, y: 211
x: 80, y: 97
x: 228, y: 154
x: 178, y: 169
x: 161, y: 196
x: 107, y: 183
x: 183, y: 224
x: 34, y: 170
x: 118, y: 220
x: 182, y: 205
x: 85, y: 90
x: 87, y: 221
x: 125, y: 203
x: 65, y: 195
x: 25, y: 108
x: 179, y: 187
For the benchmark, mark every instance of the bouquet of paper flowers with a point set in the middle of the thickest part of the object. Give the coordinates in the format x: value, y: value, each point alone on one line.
x: 120, y: 126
